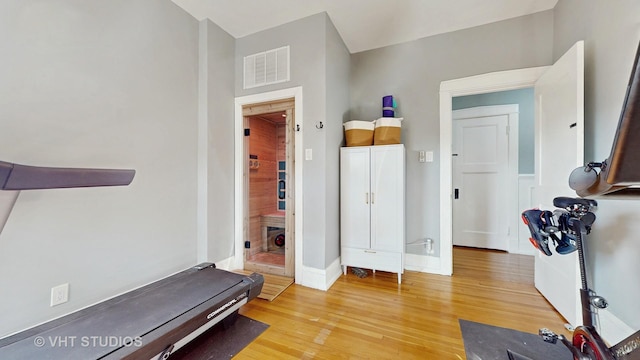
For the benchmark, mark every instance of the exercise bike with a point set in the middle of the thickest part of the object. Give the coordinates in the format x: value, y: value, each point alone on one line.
x: 567, y: 227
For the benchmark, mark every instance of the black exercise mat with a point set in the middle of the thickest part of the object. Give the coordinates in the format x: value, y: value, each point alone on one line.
x: 486, y: 342
x: 219, y: 343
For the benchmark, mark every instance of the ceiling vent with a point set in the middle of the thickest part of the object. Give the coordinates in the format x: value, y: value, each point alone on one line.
x: 269, y: 67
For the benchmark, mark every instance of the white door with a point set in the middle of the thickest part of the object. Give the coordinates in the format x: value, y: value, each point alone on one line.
x: 480, y: 181
x: 387, y: 197
x: 355, y: 197
x: 559, y: 101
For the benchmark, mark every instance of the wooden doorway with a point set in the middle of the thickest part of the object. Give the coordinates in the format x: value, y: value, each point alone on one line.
x: 485, y: 83
x: 269, y: 187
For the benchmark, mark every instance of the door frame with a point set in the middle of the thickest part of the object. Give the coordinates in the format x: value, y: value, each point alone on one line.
x: 287, y: 108
x: 512, y: 112
x: 240, y: 196
x: 479, y: 84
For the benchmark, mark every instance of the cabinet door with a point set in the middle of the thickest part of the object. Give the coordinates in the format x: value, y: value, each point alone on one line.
x: 354, y: 197
x: 387, y: 197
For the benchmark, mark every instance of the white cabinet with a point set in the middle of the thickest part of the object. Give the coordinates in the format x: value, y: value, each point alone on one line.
x: 372, y: 202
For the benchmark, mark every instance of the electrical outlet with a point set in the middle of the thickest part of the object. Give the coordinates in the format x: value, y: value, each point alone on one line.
x: 59, y: 294
x: 429, y: 246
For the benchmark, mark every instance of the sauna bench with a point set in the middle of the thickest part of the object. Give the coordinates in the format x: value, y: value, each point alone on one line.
x: 275, y: 219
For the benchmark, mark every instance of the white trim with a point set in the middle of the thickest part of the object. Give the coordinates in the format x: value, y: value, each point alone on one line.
x: 493, y: 82
x: 226, y: 264
x: 526, y: 184
x: 321, y: 279
x: 296, y: 93
x: 497, y: 81
x: 422, y: 263
x: 484, y: 111
x: 612, y: 328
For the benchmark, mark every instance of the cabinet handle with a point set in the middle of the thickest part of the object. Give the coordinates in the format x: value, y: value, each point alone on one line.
x: 373, y: 197
x: 281, y: 189
x: 366, y: 198
x: 370, y: 251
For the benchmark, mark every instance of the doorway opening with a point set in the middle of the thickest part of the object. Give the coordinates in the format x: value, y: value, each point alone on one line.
x: 269, y: 187
x: 479, y: 84
x: 559, y: 134
x: 265, y: 103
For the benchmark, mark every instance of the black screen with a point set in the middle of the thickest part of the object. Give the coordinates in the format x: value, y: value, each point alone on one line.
x: 623, y: 162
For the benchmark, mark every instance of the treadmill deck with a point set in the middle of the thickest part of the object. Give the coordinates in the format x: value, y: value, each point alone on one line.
x: 144, y: 318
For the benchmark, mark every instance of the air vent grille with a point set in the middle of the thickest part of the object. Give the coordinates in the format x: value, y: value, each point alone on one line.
x: 269, y: 67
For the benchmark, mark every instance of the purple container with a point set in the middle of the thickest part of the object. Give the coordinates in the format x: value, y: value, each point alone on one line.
x: 388, y: 106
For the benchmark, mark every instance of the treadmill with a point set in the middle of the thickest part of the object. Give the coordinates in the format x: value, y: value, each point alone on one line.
x: 150, y: 322
x: 147, y: 323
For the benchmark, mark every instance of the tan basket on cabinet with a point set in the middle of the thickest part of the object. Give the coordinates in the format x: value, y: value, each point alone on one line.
x: 387, y: 131
x: 359, y: 133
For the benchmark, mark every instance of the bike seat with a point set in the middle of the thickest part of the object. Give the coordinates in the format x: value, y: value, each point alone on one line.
x: 569, y: 202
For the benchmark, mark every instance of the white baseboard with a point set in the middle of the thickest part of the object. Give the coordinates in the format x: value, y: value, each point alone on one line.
x: 311, y: 277
x: 423, y: 263
x: 320, y: 279
x: 226, y: 264
x: 612, y: 329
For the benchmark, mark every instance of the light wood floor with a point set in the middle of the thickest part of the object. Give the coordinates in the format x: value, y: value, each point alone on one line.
x: 375, y: 318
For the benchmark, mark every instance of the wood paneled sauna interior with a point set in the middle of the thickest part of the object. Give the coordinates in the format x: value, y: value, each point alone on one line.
x: 267, y: 189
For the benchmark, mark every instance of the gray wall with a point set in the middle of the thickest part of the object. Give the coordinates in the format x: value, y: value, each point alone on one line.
x: 611, y: 31
x: 412, y: 72
x: 311, y: 41
x: 96, y: 84
x: 522, y: 97
x: 220, y: 82
x: 338, y: 66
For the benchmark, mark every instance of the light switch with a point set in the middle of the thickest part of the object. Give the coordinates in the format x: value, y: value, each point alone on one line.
x: 308, y: 154
x: 425, y: 156
x: 429, y: 156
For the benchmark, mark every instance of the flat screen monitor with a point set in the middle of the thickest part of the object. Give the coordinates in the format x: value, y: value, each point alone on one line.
x: 624, y: 161
x: 621, y: 170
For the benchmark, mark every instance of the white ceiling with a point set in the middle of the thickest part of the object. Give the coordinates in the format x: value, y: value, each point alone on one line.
x: 363, y: 24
